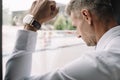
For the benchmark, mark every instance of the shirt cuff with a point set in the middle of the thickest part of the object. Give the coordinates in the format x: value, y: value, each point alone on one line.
x: 26, y: 40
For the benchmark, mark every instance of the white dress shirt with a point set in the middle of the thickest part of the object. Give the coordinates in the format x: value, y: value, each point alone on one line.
x: 102, y: 64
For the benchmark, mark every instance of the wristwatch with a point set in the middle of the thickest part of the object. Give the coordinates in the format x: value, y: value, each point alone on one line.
x: 29, y: 20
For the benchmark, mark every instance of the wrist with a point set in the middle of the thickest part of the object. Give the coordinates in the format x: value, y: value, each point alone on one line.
x: 30, y: 28
x: 31, y: 23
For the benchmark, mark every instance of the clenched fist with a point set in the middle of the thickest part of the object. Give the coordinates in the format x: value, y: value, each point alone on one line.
x: 43, y: 10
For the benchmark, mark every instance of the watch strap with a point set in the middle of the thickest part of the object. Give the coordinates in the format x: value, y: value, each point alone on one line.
x: 36, y: 24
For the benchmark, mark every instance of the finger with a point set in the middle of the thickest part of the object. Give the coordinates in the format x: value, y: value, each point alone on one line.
x: 55, y: 12
x: 41, y: 0
x: 39, y: 5
x: 52, y: 2
x: 33, y: 5
x: 52, y: 6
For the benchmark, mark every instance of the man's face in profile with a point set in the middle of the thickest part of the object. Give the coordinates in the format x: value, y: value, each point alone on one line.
x: 83, y: 28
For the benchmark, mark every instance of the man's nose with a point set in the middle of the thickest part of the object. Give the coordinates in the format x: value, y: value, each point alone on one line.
x: 78, y: 34
x: 73, y: 24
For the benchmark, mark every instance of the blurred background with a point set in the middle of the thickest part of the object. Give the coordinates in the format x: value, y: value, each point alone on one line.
x: 57, y: 43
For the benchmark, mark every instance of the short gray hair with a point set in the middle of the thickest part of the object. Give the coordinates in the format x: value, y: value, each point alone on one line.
x: 100, y: 7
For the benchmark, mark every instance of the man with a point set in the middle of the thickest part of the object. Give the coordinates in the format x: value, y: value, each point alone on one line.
x: 94, y: 23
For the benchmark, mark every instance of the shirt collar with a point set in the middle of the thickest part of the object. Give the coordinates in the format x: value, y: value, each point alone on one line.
x: 107, y: 37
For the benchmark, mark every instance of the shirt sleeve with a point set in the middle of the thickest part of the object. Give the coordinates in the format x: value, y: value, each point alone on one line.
x: 84, y: 68
x: 19, y: 64
x: 87, y: 67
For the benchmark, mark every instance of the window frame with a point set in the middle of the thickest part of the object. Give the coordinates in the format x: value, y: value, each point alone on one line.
x: 0, y: 39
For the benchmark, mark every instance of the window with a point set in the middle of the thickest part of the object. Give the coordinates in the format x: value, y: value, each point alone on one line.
x: 55, y: 41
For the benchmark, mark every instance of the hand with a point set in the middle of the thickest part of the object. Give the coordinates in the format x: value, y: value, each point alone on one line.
x: 43, y: 10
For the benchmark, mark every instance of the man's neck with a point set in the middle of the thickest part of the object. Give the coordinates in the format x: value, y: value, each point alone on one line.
x: 101, y: 28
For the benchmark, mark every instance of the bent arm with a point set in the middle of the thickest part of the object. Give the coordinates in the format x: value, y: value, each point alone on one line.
x: 19, y: 64
x: 84, y: 68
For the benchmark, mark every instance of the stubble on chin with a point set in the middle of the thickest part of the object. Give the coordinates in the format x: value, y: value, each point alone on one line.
x: 90, y: 42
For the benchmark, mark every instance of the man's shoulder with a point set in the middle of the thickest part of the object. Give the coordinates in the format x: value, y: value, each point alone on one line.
x: 114, y: 44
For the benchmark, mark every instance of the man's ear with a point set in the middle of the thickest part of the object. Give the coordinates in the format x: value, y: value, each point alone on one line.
x: 86, y: 15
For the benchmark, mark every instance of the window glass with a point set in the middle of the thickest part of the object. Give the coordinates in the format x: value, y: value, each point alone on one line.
x: 57, y: 43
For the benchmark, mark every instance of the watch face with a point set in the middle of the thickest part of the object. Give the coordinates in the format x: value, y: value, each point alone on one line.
x: 28, y: 19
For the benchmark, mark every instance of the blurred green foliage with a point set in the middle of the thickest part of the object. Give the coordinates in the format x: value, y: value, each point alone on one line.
x: 63, y: 23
